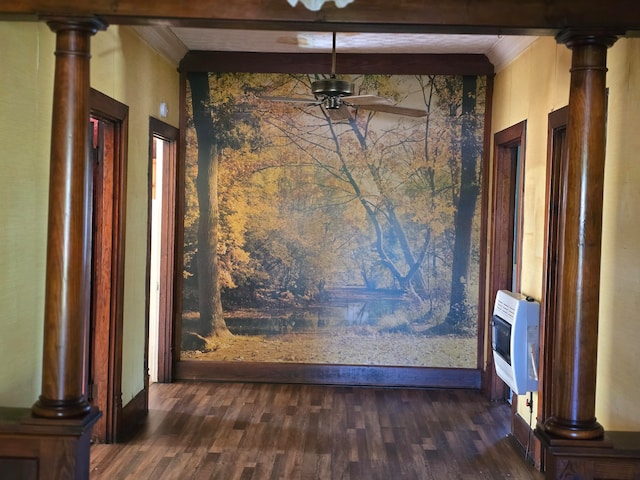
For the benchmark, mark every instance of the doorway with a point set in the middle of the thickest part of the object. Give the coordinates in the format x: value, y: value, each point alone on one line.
x: 108, y: 123
x: 552, y: 267
x: 506, y: 235
x: 161, y: 266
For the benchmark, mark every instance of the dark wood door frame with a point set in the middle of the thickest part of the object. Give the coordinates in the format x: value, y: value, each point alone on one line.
x: 108, y: 271
x: 552, y: 265
x: 170, y: 261
x: 506, y: 145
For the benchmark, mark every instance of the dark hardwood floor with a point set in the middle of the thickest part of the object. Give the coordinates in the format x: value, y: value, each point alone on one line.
x: 262, y: 431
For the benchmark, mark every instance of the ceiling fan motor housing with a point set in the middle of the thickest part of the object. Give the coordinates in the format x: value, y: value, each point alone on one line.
x: 332, y: 87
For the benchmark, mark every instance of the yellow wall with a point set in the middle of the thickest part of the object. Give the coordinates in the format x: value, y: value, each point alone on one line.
x: 529, y: 88
x: 618, y: 392
x: 26, y: 85
x: 26, y: 91
x: 142, y: 80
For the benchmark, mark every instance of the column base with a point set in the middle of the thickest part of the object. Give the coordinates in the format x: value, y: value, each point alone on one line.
x: 45, y: 408
x: 42, y: 448
x: 556, y: 427
x: 614, y: 456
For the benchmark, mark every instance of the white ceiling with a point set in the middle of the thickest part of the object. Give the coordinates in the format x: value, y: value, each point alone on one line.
x: 174, y: 42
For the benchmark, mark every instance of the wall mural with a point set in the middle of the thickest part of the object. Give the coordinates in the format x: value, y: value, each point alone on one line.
x: 352, y: 241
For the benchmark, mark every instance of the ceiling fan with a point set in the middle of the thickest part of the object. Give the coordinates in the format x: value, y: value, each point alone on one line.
x: 335, y: 95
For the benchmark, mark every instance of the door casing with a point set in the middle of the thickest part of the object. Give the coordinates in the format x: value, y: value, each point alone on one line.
x: 105, y: 342
x: 168, y: 251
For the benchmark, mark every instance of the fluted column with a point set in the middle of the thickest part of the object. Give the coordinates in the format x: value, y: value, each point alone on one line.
x: 575, y: 352
x: 67, y: 287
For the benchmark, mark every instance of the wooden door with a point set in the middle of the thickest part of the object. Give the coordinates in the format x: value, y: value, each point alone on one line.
x: 104, y: 356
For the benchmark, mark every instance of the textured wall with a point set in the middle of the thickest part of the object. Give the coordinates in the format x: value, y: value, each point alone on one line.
x: 618, y: 391
x: 26, y: 85
x: 529, y: 88
x: 141, y: 79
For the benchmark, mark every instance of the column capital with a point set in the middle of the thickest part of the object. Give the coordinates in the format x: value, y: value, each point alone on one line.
x: 572, y: 37
x: 88, y: 24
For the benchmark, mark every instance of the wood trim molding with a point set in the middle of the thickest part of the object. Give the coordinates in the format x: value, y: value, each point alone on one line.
x: 107, y: 106
x: 551, y: 268
x: 386, y: 63
x: 178, y: 277
x: 500, y: 17
x: 133, y: 416
x: 485, y: 304
x: 529, y: 442
x: 347, y: 63
x: 171, y: 263
x: 104, y: 107
x: 501, y: 265
x: 328, y: 374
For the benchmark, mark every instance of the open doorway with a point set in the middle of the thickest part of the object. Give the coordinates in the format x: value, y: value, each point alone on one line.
x: 161, y: 247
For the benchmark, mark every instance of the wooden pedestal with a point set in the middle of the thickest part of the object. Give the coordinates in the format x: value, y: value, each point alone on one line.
x: 44, y: 449
x: 616, y: 456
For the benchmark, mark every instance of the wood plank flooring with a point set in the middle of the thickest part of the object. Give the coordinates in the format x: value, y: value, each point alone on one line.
x: 265, y: 431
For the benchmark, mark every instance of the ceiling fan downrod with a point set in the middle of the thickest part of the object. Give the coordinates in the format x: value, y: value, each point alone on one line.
x: 332, y: 87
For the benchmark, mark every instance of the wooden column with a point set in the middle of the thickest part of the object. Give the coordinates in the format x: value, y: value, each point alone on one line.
x: 67, y: 285
x: 574, y: 360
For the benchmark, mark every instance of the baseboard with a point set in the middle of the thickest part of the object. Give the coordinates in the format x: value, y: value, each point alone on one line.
x: 328, y: 374
x: 529, y: 442
x: 133, y: 416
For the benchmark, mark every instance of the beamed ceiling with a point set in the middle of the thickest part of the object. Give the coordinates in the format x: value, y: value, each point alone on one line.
x: 499, y: 29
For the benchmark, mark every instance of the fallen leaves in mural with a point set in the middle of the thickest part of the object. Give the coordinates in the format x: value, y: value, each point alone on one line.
x: 343, y: 348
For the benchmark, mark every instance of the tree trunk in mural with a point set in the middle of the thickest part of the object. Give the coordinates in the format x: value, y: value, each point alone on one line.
x: 412, y: 278
x: 458, y: 314
x: 211, y: 321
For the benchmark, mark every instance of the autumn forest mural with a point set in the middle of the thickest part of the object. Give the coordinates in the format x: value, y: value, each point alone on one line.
x: 311, y: 237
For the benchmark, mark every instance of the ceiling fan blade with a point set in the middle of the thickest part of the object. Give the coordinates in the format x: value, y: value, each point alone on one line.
x: 308, y: 101
x: 379, y: 104
x: 395, y: 109
x: 366, y: 100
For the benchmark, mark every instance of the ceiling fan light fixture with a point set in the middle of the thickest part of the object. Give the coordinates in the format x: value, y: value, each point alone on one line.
x: 315, y: 5
x: 332, y: 103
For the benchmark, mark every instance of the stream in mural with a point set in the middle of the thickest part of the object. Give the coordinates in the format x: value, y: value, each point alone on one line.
x: 350, y: 240
x: 340, y: 309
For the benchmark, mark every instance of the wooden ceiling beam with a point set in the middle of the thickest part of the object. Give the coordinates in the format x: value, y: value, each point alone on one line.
x: 536, y: 17
x: 399, y: 64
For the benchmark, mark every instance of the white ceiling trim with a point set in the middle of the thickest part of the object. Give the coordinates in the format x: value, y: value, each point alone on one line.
x: 162, y: 39
x: 507, y: 50
x: 174, y: 42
